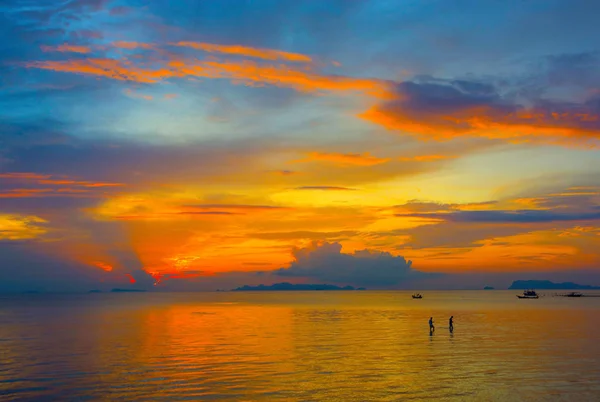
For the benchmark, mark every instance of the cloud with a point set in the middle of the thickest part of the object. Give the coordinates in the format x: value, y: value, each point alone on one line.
x: 37, y: 185
x: 133, y: 45
x: 284, y: 172
x: 245, y: 72
x: 135, y: 95
x: 416, y: 206
x: 67, y: 48
x: 365, y: 159
x: 25, y: 267
x: 305, y: 234
x: 36, y: 255
x: 572, y: 204
x: 499, y: 216
x: 441, y: 109
x: 146, y: 208
x: 267, y: 54
x: 233, y: 207
x: 325, y: 188
x: 475, y: 225
x: 20, y: 227
x: 325, y: 262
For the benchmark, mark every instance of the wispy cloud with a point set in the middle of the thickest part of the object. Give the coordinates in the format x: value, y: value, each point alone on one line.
x: 247, y: 72
x: 35, y: 185
x: 365, y: 159
x: 68, y: 48
x: 267, y: 54
x: 325, y: 188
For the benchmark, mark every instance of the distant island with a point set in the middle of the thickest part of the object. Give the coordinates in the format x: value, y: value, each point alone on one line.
x: 533, y: 284
x: 127, y: 290
x: 290, y: 286
x: 488, y: 288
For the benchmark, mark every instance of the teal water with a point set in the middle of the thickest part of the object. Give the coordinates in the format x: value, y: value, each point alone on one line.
x: 299, y: 346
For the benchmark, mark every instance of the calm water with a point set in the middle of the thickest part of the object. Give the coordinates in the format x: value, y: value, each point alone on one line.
x: 305, y: 346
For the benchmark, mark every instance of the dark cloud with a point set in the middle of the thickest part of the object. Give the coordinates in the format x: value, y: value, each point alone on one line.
x: 25, y: 268
x: 32, y: 266
x: 325, y: 262
x: 449, y: 96
x: 469, y: 225
x: 449, y: 108
x: 571, y: 69
x: 519, y: 216
x: 418, y: 206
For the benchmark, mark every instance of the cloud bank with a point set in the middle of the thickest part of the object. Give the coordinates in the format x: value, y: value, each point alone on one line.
x: 325, y: 262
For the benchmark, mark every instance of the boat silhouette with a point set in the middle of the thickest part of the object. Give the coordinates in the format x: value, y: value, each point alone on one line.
x: 528, y: 294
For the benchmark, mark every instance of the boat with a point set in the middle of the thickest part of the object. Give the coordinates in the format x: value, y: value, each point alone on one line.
x: 528, y: 294
x: 573, y: 294
x: 417, y: 296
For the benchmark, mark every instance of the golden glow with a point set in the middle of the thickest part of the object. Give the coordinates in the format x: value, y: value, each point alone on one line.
x: 256, y: 207
x: 20, y: 227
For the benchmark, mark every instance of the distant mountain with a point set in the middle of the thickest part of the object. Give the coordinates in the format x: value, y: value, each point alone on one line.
x: 488, y: 288
x: 533, y: 284
x: 291, y: 286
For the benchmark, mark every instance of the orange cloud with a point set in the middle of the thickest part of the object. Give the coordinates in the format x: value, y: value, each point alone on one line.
x: 267, y: 54
x: 53, y: 191
x: 45, y: 192
x: 109, y: 68
x: 238, y: 72
x: 251, y: 73
x: 23, y: 175
x: 102, y: 266
x: 21, y: 227
x: 67, y: 48
x: 79, y: 183
x: 444, y: 111
x: 345, y: 159
x: 227, y: 208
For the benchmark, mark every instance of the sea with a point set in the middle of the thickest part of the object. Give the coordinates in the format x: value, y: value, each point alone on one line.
x: 299, y: 346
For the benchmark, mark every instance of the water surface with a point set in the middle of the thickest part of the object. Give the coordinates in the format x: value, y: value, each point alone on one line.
x: 305, y: 346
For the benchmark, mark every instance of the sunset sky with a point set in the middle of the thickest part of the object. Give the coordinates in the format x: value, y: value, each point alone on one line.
x: 195, y: 145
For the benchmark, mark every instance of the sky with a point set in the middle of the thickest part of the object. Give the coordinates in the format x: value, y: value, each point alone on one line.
x: 196, y: 145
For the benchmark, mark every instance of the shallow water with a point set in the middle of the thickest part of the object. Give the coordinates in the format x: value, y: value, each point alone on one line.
x: 308, y: 346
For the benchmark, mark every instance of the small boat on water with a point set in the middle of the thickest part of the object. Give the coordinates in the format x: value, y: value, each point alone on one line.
x: 573, y: 294
x: 528, y: 294
x: 417, y: 296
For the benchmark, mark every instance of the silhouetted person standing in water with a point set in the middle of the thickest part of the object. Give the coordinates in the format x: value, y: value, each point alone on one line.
x: 451, y: 323
x: 431, y: 327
